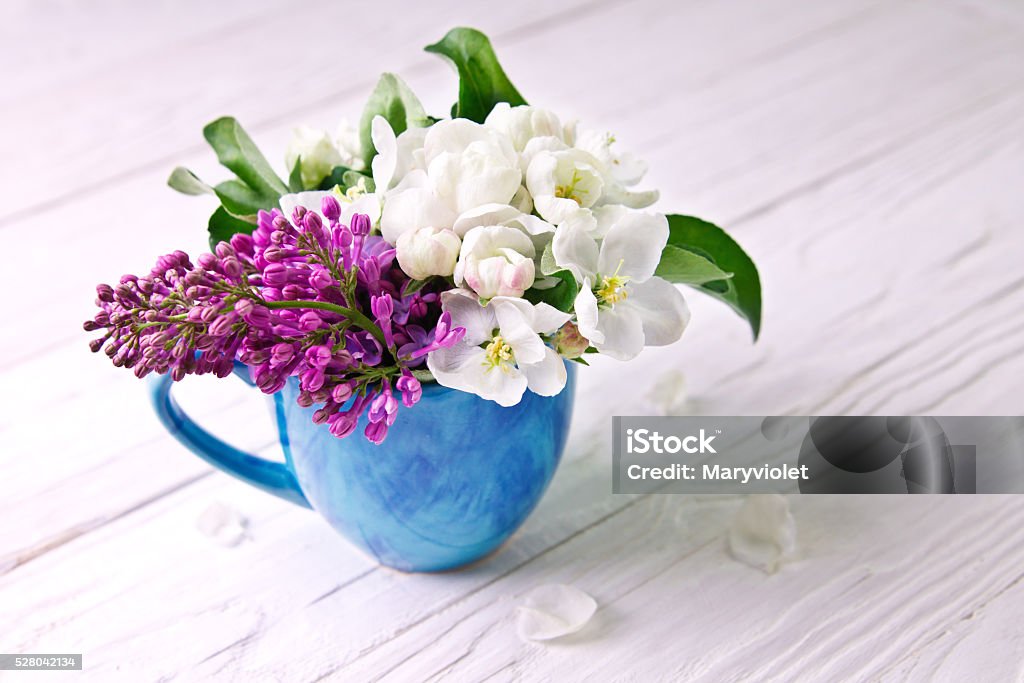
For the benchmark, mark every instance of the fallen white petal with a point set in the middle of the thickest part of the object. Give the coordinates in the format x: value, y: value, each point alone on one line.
x: 554, y: 610
x: 669, y: 395
x: 763, y: 534
x: 224, y: 524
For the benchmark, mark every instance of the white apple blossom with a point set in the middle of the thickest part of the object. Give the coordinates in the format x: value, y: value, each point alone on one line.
x: 621, y: 306
x: 563, y: 182
x: 316, y: 153
x: 524, y: 123
x: 619, y: 170
x: 466, y: 165
x: 496, y: 260
x: 396, y: 158
x: 428, y: 251
x: 502, y: 354
x: 346, y: 139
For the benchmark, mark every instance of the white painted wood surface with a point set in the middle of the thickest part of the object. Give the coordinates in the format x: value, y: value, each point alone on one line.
x: 869, y: 154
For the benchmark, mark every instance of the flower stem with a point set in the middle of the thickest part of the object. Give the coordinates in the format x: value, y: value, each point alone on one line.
x: 357, y: 318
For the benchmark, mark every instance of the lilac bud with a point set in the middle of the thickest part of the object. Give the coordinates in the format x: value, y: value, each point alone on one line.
x: 224, y: 250
x: 207, y: 261
x: 105, y: 293
x: 312, y: 379
x: 222, y: 325
x: 242, y: 244
x: 318, y: 356
x: 275, y: 275
x: 341, y: 392
x: 343, y: 424
x: 231, y: 267
x: 258, y: 316
x: 360, y: 224
x: 342, y: 237
x: 330, y: 208
x: 208, y: 313
x: 376, y: 432
x: 311, y: 221
x: 321, y: 279
x: 310, y: 321
x: 304, y: 399
x: 281, y: 354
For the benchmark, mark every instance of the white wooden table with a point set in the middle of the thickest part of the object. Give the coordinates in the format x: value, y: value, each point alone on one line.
x: 868, y: 153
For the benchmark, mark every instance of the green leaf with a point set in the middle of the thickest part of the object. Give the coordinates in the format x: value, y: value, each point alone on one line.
x: 482, y: 81
x: 241, y: 201
x: 688, y: 267
x: 223, y: 225
x: 187, y: 182
x: 236, y: 151
x: 561, y: 296
x: 547, y: 261
x: 295, y: 177
x: 416, y: 285
x: 346, y: 178
x: 743, y: 290
x: 393, y: 100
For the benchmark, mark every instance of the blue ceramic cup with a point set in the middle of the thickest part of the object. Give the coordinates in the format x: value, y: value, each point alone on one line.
x: 456, y: 476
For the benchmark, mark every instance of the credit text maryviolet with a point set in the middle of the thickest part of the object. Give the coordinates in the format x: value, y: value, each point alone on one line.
x: 647, y: 441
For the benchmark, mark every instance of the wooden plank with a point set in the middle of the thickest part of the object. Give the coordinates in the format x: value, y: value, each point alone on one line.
x: 890, y: 257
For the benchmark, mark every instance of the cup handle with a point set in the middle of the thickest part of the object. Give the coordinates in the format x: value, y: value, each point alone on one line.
x: 272, y: 477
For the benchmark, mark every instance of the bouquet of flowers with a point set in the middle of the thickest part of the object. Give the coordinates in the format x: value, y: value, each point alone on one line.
x: 480, y: 251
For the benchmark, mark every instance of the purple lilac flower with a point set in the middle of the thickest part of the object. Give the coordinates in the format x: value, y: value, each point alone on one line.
x: 308, y: 298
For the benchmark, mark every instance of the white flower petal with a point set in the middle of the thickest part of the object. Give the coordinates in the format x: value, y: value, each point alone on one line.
x: 316, y: 152
x: 517, y: 331
x: 616, y: 194
x: 547, y: 377
x: 412, y: 209
x: 474, y: 177
x: 523, y: 123
x: 538, y: 145
x: 542, y: 318
x: 368, y: 204
x: 308, y: 200
x: 485, y: 214
x: 467, y: 312
x: 633, y: 245
x: 623, y: 332
x: 763, y: 534
x: 346, y: 139
x: 224, y: 524
x: 574, y: 249
x: 386, y: 160
x: 547, y: 318
x: 465, y: 368
x: 554, y: 610
x: 662, y: 309
x: 587, y: 312
x: 540, y: 176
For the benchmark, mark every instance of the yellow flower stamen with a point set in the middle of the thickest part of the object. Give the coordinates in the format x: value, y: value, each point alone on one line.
x: 612, y: 289
x: 570, y: 191
x: 499, y: 354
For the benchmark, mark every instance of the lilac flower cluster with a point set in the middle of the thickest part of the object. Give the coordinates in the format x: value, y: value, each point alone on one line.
x: 308, y: 297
